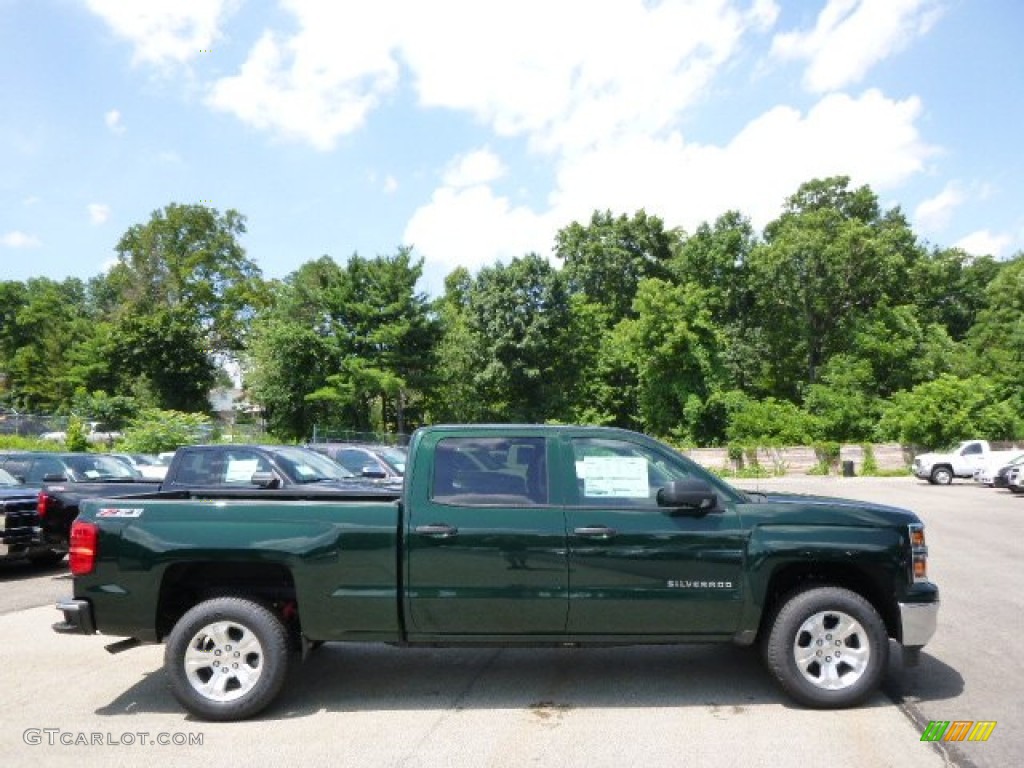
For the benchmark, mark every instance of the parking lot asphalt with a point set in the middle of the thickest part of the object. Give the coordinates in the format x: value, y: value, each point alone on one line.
x: 368, y: 705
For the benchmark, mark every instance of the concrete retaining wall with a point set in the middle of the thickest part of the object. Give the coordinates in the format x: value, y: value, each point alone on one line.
x: 800, y: 459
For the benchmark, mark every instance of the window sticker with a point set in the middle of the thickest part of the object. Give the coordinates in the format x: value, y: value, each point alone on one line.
x: 615, y: 476
x: 241, y: 470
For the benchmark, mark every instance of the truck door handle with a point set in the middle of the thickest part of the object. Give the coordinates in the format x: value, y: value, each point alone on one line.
x: 438, y: 530
x: 595, y: 531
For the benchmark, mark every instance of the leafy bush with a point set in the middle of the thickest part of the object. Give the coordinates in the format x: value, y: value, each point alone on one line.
x: 154, y: 431
x: 828, y: 458
x: 767, y: 422
x: 76, y: 437
x: 21, y: 443
x: 947, y: 410
x: 870, y: 464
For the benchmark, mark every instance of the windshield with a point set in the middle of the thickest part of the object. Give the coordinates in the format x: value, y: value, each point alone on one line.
x: 306, y: 466
x: 7, y: 479
x: 88, y: 466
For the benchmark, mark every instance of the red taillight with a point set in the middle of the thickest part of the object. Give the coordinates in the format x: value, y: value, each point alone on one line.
x: 41, y: 504
x: 82, y: 557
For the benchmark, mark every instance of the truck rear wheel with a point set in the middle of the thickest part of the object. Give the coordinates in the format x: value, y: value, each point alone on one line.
x: 827, y: 647
x: 227, y: 658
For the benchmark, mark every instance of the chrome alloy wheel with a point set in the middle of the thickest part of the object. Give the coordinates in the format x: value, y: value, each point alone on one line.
x: 831, y: 650
x: 224, y: 661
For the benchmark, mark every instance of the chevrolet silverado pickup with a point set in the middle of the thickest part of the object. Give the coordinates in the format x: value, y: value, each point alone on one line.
x: 505, y: 535
x: 270, y: 468
x: 20, y: 533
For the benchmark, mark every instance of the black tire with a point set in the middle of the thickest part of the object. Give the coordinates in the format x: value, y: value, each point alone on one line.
x: 46, y: 559
x: 827, y: 647
x: 942, y: 475
x: 227, y: 631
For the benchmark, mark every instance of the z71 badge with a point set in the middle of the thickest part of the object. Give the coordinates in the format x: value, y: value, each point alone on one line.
x: 111, y: 512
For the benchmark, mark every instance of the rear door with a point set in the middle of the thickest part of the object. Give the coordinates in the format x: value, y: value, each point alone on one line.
x: 485, y: 539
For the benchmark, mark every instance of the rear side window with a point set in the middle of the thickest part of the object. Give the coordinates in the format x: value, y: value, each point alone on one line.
x: 490, y: 471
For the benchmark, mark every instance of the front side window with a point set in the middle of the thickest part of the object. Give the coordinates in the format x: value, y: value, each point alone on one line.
x: 500, y: 471
x: 611, y: 472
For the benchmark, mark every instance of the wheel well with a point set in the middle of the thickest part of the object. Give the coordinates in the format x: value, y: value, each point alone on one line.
x: 186, y: 584
x: 799, y: 576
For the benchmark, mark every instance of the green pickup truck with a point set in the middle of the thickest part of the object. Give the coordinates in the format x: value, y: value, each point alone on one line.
x: 504, y: 535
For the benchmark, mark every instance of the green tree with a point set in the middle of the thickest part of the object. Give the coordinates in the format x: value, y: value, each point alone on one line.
x: 188, y: 258
x: 41, y: 323
x: 831, y: 257
x: 674, y: 346
x: 949, y: 288
x: 997, y: 338
x: 345, y: 347
x: 519, y: 315
x: 167, y: 359
x: 460, y: 355
x: 607, y: 258
x: 294, y: 347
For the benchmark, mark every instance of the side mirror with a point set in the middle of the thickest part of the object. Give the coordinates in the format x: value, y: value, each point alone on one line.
x: 265, y: 479
x: 691, y: 493
x: 373, y: 472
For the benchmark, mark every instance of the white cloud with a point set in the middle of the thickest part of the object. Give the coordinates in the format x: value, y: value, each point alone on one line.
x: 851, y: 36
x: 31, y: 200
x: 471, y: 227
x: 478, y: 167
x: 99, y: 213
x: 320, y: 83
x: 984, y: 243
x: 872, y: 139
x: 634, y: 69
x: 933, y: 214
x: 16, y: 239
x: 390, y: 184
x: 113, y: 121
x: 165, y: 31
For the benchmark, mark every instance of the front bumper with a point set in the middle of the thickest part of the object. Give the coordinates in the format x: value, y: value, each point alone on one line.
x: 78, y: 618
x: 919, y: 621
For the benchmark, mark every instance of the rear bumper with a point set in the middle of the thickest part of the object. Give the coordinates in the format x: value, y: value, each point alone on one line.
x: 78, y: 618
x: 919, y: 621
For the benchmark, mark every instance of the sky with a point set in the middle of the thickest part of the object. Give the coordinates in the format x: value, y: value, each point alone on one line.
x: 474, y: 131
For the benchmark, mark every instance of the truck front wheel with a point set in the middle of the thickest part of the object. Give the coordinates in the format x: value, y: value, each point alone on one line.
x: 226, y: 658
x: 827, y: 647
x: 942, y: 476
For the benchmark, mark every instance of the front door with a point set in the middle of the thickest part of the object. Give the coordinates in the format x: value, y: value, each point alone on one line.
x: 485, y: 547
x: 639, y: 569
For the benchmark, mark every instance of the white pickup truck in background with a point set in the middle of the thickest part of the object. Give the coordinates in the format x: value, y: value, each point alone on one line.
x: 962, y: 461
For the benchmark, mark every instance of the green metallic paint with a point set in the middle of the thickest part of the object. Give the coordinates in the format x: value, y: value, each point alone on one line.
x: 511, y: 575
